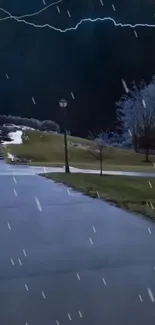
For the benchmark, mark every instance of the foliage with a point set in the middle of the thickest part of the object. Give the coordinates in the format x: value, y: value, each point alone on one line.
x: 46, y: 125
x: 136, y: 113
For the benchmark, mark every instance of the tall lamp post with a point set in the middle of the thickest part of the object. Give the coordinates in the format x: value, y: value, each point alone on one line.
x: 63, y: 104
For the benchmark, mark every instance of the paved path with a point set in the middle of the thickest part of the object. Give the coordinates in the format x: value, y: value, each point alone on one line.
x: 69, y: 259
x: 32, y: 170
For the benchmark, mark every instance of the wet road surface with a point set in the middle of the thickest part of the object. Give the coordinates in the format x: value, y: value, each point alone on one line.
x: 67, y: 258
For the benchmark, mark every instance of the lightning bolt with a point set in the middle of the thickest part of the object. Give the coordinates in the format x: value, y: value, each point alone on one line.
x: 28, y: 15
x: 20, y: 19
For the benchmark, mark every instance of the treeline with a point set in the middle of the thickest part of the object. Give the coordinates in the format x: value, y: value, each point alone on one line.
x: 46, y: 125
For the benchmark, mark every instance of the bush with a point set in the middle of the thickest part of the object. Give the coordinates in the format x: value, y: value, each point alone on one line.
x: 30, y: 122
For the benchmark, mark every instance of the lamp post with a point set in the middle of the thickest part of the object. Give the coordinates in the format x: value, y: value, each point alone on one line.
x: 63, y: 104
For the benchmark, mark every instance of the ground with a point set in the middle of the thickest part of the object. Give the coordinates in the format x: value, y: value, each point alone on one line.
x: 67, y: 258
x: 133, y: 193
x: 48, y: 149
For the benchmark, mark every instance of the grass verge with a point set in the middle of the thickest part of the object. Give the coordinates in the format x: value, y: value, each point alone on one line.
x: 131, y: 193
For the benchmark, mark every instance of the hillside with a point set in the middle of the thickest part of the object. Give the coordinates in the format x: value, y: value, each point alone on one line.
x: 48, y: 149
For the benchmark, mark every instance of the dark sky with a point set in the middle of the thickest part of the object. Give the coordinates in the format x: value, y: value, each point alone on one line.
x: 89, y: 62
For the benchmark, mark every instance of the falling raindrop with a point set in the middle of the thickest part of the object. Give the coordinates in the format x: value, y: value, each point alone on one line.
x: 7, y: 76
x: 135, y: 33
x: 125, y: 86
x: 58, y: 9
x: 33, y: 100
x: 68, y: 13
x: 143, y: 102
x: 72, y: 95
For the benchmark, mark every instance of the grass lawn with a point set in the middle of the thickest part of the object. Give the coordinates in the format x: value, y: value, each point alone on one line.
x: 128, y: 192
x: 48, y: 149
x: 95, y: 165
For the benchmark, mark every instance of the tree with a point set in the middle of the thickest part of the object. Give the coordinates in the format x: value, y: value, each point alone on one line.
x: 136, y: 113
x: 99, y: 144
x: 127, y: 115
x: 46, y: 125
x: 146, y: 131
x: 49, y: 125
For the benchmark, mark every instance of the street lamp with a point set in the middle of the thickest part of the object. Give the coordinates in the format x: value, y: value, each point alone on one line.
x: 63, y: 103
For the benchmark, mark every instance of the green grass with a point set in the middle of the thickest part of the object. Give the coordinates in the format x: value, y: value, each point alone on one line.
x: 133, y: 168
x: 48, y: 149
x: 128, y: 192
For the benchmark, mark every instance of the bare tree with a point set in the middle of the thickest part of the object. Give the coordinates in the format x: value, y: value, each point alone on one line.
x: 100, y: 145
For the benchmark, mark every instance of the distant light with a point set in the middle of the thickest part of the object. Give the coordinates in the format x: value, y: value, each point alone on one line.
x: 63, y: 103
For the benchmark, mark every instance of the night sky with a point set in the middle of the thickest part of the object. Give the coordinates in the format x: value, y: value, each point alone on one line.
x: 89, y: 62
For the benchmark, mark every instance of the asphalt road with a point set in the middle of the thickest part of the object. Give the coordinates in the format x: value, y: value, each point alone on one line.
x: 69, y: 259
